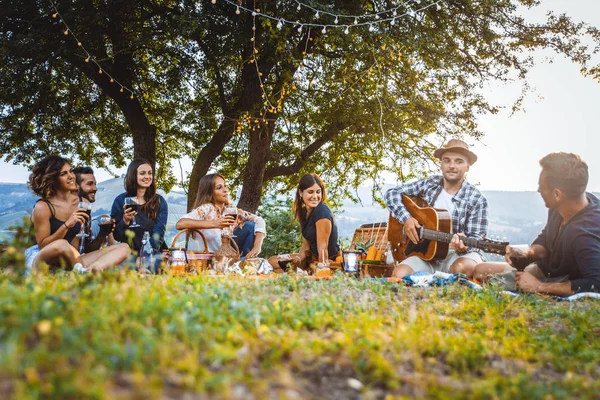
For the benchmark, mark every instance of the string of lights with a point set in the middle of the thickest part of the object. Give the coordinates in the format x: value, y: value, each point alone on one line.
x: 355, y: 23
x: 88, y: 57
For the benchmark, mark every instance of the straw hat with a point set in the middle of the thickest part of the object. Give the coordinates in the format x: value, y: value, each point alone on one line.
x: 457, y: 146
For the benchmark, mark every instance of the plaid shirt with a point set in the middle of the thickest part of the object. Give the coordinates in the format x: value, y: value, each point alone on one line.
x: 470, y: 207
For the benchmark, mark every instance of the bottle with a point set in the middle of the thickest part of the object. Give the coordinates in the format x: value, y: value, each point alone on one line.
x: 389, y: 257
x: 146, y: 255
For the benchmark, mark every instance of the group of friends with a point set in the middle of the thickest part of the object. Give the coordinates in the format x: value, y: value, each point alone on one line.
x: 563, y: 259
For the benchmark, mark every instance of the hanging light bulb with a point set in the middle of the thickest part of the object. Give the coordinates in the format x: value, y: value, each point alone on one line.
x: 324, y: 30
x: 87, y: 59
x: 100, y: 71
x: 54, y: 15
x: 279, y: 24
x: 300, y: 29
x: 438, y: 6
x: 214, y: 1
x: 355, y: 21
x: 395, y: 13
x: 371, y: 28
x: 79, y: 44
x: 376, y: 16
x: 299, y: 7
x: 112, y: 80
x: 393, y: 21
x: 346, y: 30
x: 237, y: 10
x: 336, y: 20
x: 317, y: 15
x: 66, y: 32
x: 254, y: 13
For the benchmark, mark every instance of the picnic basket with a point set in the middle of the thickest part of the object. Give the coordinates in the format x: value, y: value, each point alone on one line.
x: 194, y: 260
x: 377, y: 233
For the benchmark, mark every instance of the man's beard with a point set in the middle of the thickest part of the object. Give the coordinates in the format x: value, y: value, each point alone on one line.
x: 87, y: 196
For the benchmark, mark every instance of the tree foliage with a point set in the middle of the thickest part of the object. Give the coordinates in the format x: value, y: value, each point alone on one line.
x: 348, y: 106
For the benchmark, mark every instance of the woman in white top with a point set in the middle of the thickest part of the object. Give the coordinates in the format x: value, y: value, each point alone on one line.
x: 207, y: 216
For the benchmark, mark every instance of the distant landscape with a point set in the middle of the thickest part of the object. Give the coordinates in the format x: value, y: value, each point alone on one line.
x: 517, y: 216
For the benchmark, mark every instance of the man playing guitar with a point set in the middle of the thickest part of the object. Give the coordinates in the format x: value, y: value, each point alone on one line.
x: 450, y: 192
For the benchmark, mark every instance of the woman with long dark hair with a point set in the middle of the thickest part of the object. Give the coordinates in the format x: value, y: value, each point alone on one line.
x: 319, y: 230
x: 140, y: 188
x: 212, y: 199
x: 57, y: 220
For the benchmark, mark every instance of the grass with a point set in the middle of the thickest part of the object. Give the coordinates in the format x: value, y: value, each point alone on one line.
x: 119, y: 335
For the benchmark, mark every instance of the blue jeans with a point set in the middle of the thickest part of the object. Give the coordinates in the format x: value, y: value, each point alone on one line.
x: 244, y: 237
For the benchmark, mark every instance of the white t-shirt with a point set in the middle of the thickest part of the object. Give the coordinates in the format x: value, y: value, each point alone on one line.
x: 444, y: 202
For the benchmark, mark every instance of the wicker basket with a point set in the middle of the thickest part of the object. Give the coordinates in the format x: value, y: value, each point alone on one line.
x: 377, y: 231
x: 194, y: 260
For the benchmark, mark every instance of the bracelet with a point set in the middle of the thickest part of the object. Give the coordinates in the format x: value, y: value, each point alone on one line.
x: 66, y: 226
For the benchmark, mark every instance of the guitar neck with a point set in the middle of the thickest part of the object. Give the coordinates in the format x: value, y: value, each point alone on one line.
x: 444, y: 237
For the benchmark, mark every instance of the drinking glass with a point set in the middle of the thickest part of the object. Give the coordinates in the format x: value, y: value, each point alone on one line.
x: 519, y: 257
x: 134, y: 204
x: 105, y: 222
x: 87, y: 207
x: 231, y: 212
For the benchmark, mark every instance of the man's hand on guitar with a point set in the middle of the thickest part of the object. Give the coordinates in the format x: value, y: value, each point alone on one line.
x: 410, y: 229
x: 457, y: 244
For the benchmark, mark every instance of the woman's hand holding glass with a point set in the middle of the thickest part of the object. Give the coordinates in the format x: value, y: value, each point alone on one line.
x: 129, y: 213
x: 78, y: 216
x: 85, y: 210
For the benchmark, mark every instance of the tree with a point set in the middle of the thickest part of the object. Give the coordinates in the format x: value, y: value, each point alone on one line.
x: 263, y: 104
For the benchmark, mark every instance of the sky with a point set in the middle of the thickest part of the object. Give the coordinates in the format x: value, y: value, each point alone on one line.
x: 560, y: 114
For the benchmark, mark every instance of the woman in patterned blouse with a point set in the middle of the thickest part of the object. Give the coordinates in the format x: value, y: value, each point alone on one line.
x: 207, y: 216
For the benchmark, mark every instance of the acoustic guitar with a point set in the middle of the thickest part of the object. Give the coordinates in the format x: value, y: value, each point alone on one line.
x: 435, y: 234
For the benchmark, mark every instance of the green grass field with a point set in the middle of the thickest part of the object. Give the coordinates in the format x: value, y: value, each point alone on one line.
x: 119, y: 335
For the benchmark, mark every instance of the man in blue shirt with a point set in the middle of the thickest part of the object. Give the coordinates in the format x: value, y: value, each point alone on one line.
x: 565, y: 257
x: 450, y: 192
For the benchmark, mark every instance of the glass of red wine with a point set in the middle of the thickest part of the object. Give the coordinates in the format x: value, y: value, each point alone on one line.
x: 105, y: 223
x: 520, y: 257
x: 231, y: 212
x: 87, y: 208
x: 132, y: 203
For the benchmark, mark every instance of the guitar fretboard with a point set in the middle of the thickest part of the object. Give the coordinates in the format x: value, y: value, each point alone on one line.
x: 444, y: 237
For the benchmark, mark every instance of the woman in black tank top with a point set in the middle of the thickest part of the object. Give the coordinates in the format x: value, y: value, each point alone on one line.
x: 57, y: 220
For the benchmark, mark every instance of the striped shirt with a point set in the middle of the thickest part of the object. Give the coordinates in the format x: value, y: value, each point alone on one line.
x: 470, y: 214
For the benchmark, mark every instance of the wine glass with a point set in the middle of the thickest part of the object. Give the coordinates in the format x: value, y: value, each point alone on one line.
x: 133, y: 203
x: 231, y: 212
x: 105, y: 223
x: 87, y: 207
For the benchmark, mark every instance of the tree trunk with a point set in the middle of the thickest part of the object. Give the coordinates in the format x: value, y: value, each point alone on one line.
x: 260, y: 145
x: 207, y: 155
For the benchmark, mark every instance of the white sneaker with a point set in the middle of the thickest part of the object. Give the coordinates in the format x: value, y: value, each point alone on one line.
x: 79, y: 269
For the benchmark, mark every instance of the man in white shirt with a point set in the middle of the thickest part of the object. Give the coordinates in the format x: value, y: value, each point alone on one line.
x: 451, y: 192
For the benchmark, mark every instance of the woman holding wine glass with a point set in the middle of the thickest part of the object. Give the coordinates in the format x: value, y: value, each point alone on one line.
x: 140, y: 209
x: 58, y: 219
x: 214, y: 216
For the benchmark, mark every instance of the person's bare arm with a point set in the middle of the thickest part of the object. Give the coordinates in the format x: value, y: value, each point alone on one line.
x: 41, y: 221
x: 530, y: 284
x: 323, y: 233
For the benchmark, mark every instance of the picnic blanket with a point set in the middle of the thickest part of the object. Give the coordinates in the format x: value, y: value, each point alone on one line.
x: 426, y: 279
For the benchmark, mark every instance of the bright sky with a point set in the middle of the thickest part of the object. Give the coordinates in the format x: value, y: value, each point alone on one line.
x: 561, y: 114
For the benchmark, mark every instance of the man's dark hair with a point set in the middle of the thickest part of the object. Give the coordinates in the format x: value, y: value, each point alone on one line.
x: 566, y: 172
x: 82, y: 170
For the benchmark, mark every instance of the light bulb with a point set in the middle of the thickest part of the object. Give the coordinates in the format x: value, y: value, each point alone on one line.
x: 279, y: 25
x: 299, y: 7
x: 324, y: 30
x: 376, y: 16
x: 87, y: 59
x: 395, y: 13
x: 254, y: 13
x: 237, y: 10
x: 317, y: 15
x: 66, y: 32
x: 300, y: 29
x: 393, y: 21
x: 214, y: 1
x: 100, y: 71
x: 371, y: 28
x: 336, y: 20
x: 438, y: 7
x: 346, y: 30
x: 54, y: 15
x: 79, y: 44
x: 121, y: 90
x: 355, y: 21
